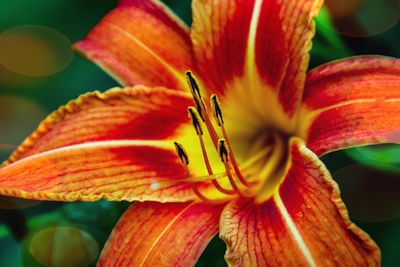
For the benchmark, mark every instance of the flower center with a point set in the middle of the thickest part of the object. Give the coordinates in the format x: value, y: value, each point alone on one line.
x: 258, y: 176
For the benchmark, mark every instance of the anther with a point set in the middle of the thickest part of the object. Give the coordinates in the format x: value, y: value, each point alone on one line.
x: 199, y: 131
x: 223, y: 150
x: 217, y: 111
x: 194, y: 87
x: 185, y: 161
x: 182, y: 154
x: 216, y: 108
x: 194, y: 116
x: 223, y: 153
x: 198, y: 100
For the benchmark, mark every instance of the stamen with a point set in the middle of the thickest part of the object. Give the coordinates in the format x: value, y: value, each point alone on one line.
x: 182, y: 154
x: 193, y: 115
x: 223, y: 146
x: 185, y: 161
x: 200, y: 195
x: 217, y: 111
x: 193, y: 84
x: 206, y: 178
x: 199, y: 131
x: 195, y: 90
x: 223, y: 153
x: 201, y: 107
x: 222, y: 150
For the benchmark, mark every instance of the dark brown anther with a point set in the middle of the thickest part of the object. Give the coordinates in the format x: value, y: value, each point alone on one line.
x: 194, y: 87
x: 194, y: 116
x: 216, y: 108
x: 199, y: 104
x: 181, y: 153
x: 223, y: 150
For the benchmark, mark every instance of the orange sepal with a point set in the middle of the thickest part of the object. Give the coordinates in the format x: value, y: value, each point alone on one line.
x: 305, y: 223
x: 141, y: 42
x: 155, y: 234
x: 351, y: 102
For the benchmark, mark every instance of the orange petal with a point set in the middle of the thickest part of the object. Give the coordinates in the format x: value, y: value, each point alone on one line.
x: 304, y: 224
x: 155, y: 234
x: 141, y: 42
x: 117, y: 114
x: 351, y: 102
x: 113, y: 170
x: 94, y: 148
x: 261, y: 45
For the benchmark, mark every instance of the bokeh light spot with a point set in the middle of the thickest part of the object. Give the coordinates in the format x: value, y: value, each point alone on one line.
x: 361, y: 18
x: 19, y: 117
x: 64, y: 247
x: 339, y: 9
x: 34, y: 50
x: 384, y: 157
x: 369, y: 194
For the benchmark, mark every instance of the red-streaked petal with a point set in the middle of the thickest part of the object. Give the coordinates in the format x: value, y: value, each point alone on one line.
x: 351, y: 102
x: 155, y: 234
x: 141, y: 42
x: 118, y: 114
x: 259, y: 47
x: 99, y: 146
x: 137, y: 114
x: 113, y: 170
x: 304, y: 224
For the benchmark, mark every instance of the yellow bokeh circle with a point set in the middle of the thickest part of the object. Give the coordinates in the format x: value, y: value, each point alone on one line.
x: 34, y: 50
x: 362, y: 18
x: 64, y: 246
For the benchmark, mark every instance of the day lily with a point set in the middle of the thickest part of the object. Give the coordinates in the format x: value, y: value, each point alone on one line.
x: 244, y: 163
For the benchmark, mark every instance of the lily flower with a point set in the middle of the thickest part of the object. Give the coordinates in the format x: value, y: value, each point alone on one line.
x: 221, y: 132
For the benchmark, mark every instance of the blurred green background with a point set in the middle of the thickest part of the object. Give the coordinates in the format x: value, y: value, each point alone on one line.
x: 47, y: 74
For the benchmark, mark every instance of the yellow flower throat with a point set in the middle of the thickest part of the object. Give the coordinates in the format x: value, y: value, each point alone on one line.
x: 257, y: 177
